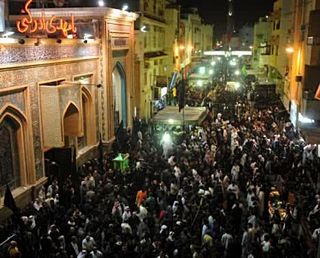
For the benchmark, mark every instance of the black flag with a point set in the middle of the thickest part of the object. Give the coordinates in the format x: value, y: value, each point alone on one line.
x: 181, y: 96
x: 100, y: 148
x: 9, y: 201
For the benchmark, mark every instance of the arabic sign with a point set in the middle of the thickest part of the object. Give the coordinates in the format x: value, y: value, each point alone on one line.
x: 29, y: 24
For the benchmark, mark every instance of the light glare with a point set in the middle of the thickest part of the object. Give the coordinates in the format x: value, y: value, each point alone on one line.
x: 202, y: 70
x: 101, y: 3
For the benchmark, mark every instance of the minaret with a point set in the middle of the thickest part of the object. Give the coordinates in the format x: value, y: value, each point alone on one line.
x: 230, y: 21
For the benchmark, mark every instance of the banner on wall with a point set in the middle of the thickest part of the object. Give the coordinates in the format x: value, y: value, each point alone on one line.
x: 2, y: 16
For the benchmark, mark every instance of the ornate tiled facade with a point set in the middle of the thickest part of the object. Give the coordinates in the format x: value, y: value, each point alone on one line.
x: 26, y: 70
x: 17, y: 54
x: 31, y: 76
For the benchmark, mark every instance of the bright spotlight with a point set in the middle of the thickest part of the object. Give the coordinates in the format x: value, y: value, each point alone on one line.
x: 199, y: 83
x: 166, y: 138
x: 237, y: 85
x: 125, y: 7
x: 101, y: 3
x: 210, y: 71
x: 87, y: 36
x: 144, y: 28
x: 289, y: 50
x: 171, y: 121
x: 202, y: 70
x: 305, y: 120
x: 237, y: 72
x: 213, y: 63
x: 7, y: 34
x: 233, y: 63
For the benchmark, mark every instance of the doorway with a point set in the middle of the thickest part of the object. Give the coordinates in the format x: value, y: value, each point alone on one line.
x: 119, y: 96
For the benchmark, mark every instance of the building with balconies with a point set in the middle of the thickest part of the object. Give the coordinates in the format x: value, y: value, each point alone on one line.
x: 195, y: 37
x: 293, y: 51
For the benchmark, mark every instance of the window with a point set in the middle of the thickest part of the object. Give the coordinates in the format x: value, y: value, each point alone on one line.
x: 155, y: 6
x: 9, y: 155
x: 155, y: 31
x: 87, y: 109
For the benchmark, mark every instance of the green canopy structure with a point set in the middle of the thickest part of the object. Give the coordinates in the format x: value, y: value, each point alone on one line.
x: 121, y: 162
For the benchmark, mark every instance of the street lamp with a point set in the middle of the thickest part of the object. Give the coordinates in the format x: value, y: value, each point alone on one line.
x: 289, y: 50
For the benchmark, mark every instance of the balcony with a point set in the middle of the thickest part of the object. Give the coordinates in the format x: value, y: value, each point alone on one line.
x: 61, y: 113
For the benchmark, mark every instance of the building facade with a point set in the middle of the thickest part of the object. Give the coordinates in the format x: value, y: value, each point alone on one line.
x: 195, y: 37
x: 293, y: 50
x: 61, y: 90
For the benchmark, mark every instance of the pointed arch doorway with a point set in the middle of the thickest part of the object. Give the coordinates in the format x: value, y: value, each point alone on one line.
x: 119, y: 96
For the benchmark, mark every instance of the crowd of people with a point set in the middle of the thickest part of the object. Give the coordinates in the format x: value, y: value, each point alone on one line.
x: 246, y: 187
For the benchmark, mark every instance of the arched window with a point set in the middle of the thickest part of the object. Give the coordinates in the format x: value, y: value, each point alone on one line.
x: 71, y: 128
x: 9, y: 155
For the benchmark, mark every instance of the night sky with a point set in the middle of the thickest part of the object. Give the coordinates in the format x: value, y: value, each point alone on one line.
x: 215, y: 11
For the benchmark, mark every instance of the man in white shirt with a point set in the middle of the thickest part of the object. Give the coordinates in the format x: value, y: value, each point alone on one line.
x: 226, y: 241
x: 88, y: 243
x: 233, y: 188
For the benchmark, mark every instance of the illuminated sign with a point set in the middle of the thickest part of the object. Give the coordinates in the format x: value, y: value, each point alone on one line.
x: 52, y: 25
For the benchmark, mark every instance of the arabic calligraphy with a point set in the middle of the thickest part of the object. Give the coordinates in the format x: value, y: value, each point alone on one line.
x: 52, y: 25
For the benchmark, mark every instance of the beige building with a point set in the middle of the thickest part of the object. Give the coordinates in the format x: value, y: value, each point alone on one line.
x: 151, y: 57
x: 261, y: 46
x: 165, y: 43
x: 195, y: 37
x: 207, y: 37
x: 60, y: 90
x: 294, y: 53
